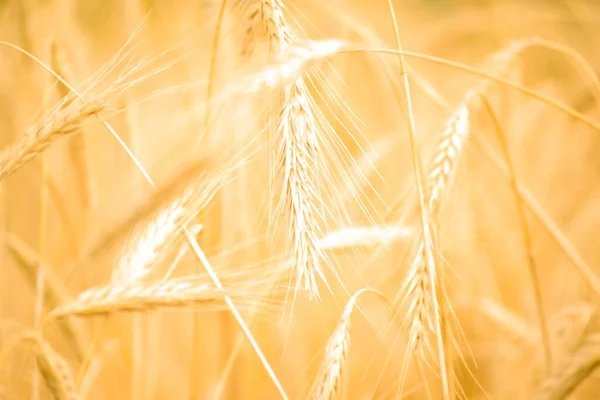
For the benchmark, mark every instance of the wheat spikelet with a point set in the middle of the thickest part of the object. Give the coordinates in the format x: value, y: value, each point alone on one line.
x: 271, y: 15
x: 64, y: 122
x: 56, y: 371
x: 136, y: 297
x: 567, y: 375
x: 419, y: 288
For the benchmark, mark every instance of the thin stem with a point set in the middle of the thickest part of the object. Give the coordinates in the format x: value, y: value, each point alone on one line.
x: 213, y: 276
x: 462, y: 67
x: 533, y: 270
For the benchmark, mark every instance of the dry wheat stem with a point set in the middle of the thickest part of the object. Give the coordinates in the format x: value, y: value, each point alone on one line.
x: 54, y: 291
x: 549, y: 224
x: 138, y: 296
x: 56, y: 371
x: 580, y: 364
x: 528, y: 241
x: 478, y: 72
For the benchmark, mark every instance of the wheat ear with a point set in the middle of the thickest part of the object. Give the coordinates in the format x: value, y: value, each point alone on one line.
x: 328, y: 384
x: 482, y: 145
x: 55, y: 370
x: 139, y: 296
x: 298, y: 156
x: 151, y: 242
x: 214, y: 278
x: 566, y: 376
x: 64, y: 122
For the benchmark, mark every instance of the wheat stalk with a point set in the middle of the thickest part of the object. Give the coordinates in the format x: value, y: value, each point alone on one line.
x: 54, y: 291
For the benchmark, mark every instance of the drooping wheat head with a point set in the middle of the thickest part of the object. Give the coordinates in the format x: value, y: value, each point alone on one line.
x: 154, y: 239
x: 138, y: 296
x: 63, y: 122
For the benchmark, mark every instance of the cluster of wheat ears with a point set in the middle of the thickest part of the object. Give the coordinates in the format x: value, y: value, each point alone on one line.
x: 266, y: 213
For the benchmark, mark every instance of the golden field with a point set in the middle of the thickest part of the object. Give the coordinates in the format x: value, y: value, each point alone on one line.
x: 317, y: 199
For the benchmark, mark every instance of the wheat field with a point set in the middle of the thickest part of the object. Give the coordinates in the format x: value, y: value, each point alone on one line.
x: 308, y: 199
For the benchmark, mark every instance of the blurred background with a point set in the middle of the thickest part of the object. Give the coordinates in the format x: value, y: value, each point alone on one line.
x: 71, y: 209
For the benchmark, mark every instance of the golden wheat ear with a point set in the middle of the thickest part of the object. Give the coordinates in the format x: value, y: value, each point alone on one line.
x: 328, y: 383
x: 138, y: 297
x: 153, y: 240
x: 55, y: 370
x: 567, y: 375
